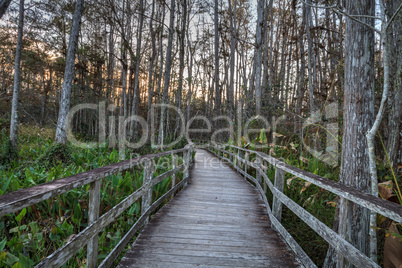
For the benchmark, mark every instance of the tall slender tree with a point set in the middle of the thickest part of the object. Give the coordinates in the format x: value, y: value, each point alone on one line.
x: 216, y: 53
x: 17, y: 79
x: 168, y: 67
x: 258, y: 55
x: 230, y: 91
x: 136, y: 98
x: 61, y: 131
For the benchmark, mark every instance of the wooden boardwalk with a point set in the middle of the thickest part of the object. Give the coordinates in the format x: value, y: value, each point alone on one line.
x: 218, y: 220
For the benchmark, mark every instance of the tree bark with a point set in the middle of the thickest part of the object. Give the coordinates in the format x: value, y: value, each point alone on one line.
x: 136, y: 98
x: 230, y: 90
x: 394, y: 46
x: 357, y: 119
x: 61, y: 134
x: 151, y: 66
x: 216, y: 50
x: 17, y: 80
x: 182, y: 50
x: 310, y: 62
x: 168, y: 65
x: 258, y: 56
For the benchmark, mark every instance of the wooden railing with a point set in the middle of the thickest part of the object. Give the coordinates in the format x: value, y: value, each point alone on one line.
x: 20, y: 199
x: 240, y: 159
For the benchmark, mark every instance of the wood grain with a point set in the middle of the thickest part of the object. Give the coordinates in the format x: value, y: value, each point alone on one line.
x: 217, y: 220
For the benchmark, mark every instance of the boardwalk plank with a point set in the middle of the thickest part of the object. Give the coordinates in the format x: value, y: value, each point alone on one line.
x: 218, y: 220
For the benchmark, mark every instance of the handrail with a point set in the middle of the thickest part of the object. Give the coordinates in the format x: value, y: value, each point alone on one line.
x: 20, y: 199
x: 338, y: 241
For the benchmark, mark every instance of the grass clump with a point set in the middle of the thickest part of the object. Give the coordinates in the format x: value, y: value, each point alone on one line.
x: 55, y: 154
x: 7, y: 153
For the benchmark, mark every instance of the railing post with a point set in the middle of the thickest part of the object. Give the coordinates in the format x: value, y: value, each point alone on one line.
x: 264, y: 183
x: 278, y: 184
x: 186, y: 161
x: 93, y: 215
x: 240, y: 156
x: 174, y: 174
x: 246, y: 165
x: 257, y: 173
x: 146, y: 201
x: 345, y: 209
x: 191, y: 154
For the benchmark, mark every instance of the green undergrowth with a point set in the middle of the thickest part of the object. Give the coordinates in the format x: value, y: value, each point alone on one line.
x: 29, y: 235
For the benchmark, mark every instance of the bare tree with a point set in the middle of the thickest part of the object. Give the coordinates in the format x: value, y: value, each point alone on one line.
x: 17, y: 79
x: 258, y: 55
x: 136, y: 98
x: 182, y: 49
x: 61, y: 134
x: 168, y: 66
x: 216, y: 50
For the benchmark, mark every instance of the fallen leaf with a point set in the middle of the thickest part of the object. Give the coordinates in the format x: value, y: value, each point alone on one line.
x: 385, y: 189
x: 305, y: 160
x: 289, y: 181
x: 331, y: 203
x: 293, y: 146
x: 274, y: 134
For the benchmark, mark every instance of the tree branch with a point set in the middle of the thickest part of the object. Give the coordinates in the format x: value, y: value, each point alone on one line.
x: 3, y: 6
x: 315, y: 6
x: 367, y: 16
x: 393, y: 17
x: 337, y: 10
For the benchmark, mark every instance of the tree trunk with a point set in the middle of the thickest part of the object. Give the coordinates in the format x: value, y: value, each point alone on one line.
x: 61, y: 134
x: 182, y: 38
x: 395, y: 95
x: 110, y: 66
x: 310, y: 62
x: 230, y: 90
x: 216, y: 50
x: 136, y: 98
x: 17, y: 80
x: 190, y: 76
x: 168, y: 65
x: 47, y: 89
x: 151, y: 67
x: 258, y: 56
x: 357, y: 119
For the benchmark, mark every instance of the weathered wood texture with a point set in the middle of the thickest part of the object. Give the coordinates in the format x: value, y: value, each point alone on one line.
x: 386, y: 208
x: 218, y: 220
x: 343, y: 247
